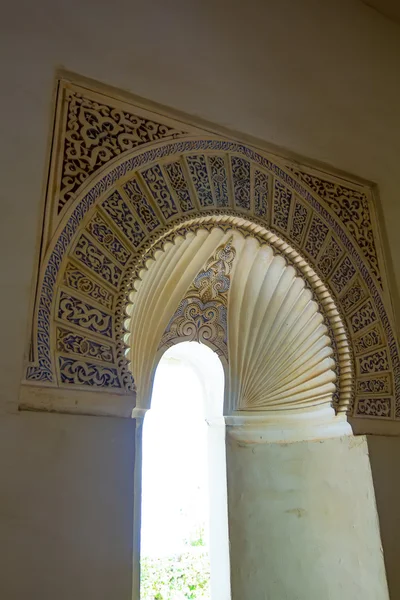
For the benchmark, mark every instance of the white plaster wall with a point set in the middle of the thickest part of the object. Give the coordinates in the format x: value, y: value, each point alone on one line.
x: 303, y: 522
x: 66, y: 507
x: 384, y: 455
x: 320, y: 78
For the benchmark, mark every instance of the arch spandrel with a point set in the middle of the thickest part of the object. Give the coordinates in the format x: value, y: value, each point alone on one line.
x: 128, y: 203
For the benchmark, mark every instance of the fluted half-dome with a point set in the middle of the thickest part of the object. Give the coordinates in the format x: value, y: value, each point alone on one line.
x: 163, y: 283
x: 280, y: 356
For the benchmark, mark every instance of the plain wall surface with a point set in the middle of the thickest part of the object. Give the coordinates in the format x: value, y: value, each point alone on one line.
x: 303, y: 522
x: 66, y: 507
x: 384, y: 453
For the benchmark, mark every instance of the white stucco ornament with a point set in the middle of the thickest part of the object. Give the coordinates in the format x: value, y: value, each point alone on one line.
x: 278, y: 357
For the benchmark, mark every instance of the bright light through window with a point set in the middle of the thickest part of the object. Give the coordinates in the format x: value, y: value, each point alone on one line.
x: 183, y: 438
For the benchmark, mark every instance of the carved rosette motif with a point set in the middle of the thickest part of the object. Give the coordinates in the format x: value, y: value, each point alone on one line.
x: 202, y: 313
x: 86, y: 272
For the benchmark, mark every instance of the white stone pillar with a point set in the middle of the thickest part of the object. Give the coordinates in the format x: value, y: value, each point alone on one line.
x: 302, y: 518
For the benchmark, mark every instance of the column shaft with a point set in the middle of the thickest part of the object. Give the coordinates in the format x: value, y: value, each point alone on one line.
x: 302, y: 520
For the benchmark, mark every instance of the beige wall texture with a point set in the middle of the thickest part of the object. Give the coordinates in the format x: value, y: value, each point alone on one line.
x: 318, y: 78
x: 303, y: 522
x: 66, y: 507
x: 384, y: 453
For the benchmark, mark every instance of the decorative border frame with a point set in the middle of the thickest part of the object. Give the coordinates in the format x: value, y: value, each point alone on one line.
x: 41, y: 370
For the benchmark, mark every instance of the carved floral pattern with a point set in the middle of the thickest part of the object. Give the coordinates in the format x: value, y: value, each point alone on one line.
x: 200, y: 322
x: 369, y: 340
x: 343, y: 274
x: 329, y: 257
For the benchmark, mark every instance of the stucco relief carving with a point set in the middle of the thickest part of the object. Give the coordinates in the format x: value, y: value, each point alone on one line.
x: 352, y: 208
x: 250, y: 305
x: 279, y: 351
x: 202, y: 313
x: 95, y: 133
x: 138, y: 195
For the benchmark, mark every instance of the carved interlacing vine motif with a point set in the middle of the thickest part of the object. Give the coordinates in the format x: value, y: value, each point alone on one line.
x: 380, y: 384
x: 219, y: 179
x: 82, y: 314
x: 371, y: 339
x: 79, y: 372
x: 99, y: 229
x: 74, y: 343
x: 354, y: 295
x: 202, y: 314
x: 261, y: 194
x: 83, y: 283
x: 241, y: 181
x: 299, y: 223
x: 93, y: 258
x: 351, y: 206
x: 374, y: 407
x: 141, y: 205
x: 282, y: 204
x: 119, y: 212
x: 96, y: 133
x: 179, y: 184
x: 316, y: 236
x: 375, y: 362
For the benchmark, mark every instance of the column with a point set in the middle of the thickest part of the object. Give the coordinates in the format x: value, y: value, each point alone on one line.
x: 302, y: 517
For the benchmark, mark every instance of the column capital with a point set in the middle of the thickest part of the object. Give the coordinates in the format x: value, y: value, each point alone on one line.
x: 139, y: 413
x: 262, y: 427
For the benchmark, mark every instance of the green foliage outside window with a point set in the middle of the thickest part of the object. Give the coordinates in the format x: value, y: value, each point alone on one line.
x: 179, y: 577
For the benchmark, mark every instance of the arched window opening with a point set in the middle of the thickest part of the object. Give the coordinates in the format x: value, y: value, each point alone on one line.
x: 184, y: 524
